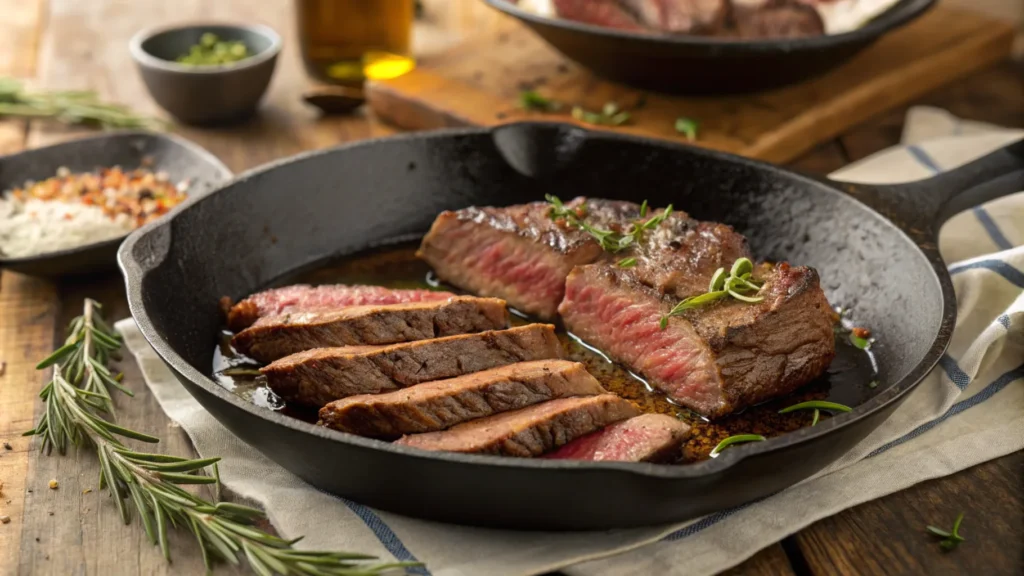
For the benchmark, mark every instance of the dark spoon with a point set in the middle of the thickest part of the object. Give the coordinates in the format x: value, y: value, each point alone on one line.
x: 335, y: 99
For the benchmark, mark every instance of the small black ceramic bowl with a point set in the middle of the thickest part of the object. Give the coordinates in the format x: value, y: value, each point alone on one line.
x: 205, y: 94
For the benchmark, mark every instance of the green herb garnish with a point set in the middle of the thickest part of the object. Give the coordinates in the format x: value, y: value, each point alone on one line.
x: 687, y: 127
x: 737, y: 284
x: 950, y: 539
x: 817, y: 406
x: 737, y: 439
x: 627, y: 262
x: 610, y: 115
x: 609, y: 240
x: 531, y: 100
x: 860, y: 342
x: 78, y: 411
x: 69, y: 107
x: 212, y: 51
x: 873, y: 384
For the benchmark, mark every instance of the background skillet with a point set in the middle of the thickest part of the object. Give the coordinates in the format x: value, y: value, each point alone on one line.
x: 893, y: 278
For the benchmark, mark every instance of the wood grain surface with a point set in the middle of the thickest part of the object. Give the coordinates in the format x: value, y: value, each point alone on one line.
x: 75, y: 529
x: 478, y: 84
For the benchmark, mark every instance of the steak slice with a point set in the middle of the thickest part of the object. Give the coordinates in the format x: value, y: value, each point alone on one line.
x: 529, y: 431
x: 715, y: 359
x: 316, y: 377
x: 274, y: 337
x: 521, y: 255
x: 516, y: 253
x: 442, y: 404
x: 306, y: 298
x: 646, y: 438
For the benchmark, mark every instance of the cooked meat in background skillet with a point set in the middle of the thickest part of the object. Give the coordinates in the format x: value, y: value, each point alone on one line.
x: 529, y: 431
x: 743, y: 19
x: 438, y: 405
x: 274, y: 337
x: 316, y: 377
x: 302, y: 298
x: 645, y: 438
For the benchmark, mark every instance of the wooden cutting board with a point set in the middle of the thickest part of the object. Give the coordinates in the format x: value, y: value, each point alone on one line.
x: 478, y: 82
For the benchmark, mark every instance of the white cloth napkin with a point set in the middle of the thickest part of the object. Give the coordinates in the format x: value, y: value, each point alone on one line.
x: 969, y: 410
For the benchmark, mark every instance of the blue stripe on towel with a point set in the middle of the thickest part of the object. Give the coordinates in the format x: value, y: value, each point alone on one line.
x: 989, y: 391
x: 386, y: 535
x: 991, y: 228
x: 1004, y: 320
x: 952, y: 369
x: 986, y: 393
x: 998, y: 266
x: 923, y: 158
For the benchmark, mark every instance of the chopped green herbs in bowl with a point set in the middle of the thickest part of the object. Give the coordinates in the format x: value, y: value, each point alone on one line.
x: 212, y: 51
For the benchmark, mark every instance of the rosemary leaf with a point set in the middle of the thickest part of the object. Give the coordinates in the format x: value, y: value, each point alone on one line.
x: 77, y: 406
x: 736, y: 284
x: 531, y: 100
x: 817, y: 405
x: 687, y: 127
x: 70, y: 107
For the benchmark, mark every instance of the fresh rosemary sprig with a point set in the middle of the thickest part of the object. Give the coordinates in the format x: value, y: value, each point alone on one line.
x: 737, y: 283
x: 737, y: 439
x: 70, y: 107
x: 817, y: 406
x: 609, y: 240
x: 950, y: 539
x: 78, y: 406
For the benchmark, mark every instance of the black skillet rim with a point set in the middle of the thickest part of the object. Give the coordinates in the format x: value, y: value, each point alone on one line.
x: 895, y: 16
x: 133, y: 275
x: 192, y: 147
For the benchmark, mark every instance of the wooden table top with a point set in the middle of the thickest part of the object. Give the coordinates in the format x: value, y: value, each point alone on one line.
x: 76, y: 529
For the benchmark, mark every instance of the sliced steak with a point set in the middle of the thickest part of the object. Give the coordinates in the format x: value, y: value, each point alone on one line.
x: 274, y: 337
x: 778, y: 19
x: 521, y: 255
x: 442, y: 404
x: 306, y: 298
x: 316, y: 377
x: 646, y: 438
x: 528, y: 431
x: 606, y: 13
x: 715, y: 359
x: 516, y: 253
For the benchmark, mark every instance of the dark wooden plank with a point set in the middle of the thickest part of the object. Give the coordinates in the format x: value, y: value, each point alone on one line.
x: 994, y: 95
x: 772, y: 561
x: 887, y: 536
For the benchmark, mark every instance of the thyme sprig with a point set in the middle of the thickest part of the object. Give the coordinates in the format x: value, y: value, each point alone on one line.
x: 736, y: 283
x: 78, y: 411
x: 609, y: 240
x: 950, y: 539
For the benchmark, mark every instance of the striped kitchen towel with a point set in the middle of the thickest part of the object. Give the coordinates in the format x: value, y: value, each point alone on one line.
x: 969, y: 410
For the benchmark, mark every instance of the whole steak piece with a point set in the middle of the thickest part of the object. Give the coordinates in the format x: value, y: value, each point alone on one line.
x: 646, y: 438
x: 529, y: 431
x: 274, y: 337
x: 305, y: 298
x: 316, y: 377
x: 442, y: 404
x: 714, y: 359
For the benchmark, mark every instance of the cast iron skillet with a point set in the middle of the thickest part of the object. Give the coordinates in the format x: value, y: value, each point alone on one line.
x: 873, y: 246
x: 703, y: 65
x: 181, y: 159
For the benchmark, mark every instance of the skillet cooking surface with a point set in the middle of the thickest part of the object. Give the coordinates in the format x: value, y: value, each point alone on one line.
x: 291, y: 215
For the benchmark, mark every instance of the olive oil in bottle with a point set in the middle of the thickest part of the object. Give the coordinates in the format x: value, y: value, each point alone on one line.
x: 348, y: 41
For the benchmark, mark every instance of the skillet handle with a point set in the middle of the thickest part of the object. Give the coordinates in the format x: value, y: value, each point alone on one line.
x: 920, y: 208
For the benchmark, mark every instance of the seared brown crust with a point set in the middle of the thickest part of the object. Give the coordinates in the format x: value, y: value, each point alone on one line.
x: 441, y: 404
x: 316, y: 377
x: 274, y: 337
x: 529, y: 431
